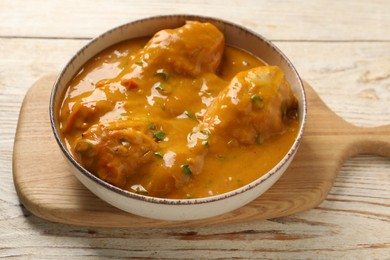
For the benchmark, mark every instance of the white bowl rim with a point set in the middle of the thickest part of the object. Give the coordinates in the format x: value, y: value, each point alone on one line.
x: 166, y: 201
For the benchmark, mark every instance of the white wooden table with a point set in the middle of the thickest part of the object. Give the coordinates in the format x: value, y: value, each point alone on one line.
x: 342, y: 48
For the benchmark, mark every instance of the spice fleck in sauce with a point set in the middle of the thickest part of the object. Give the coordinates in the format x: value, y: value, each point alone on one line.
x: 180, y: 115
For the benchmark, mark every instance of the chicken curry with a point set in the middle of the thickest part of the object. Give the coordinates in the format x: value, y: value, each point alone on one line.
x: 180, y: 115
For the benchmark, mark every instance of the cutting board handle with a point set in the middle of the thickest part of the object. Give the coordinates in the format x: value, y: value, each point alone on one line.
x: 338, y: 139
x: 373, y: 140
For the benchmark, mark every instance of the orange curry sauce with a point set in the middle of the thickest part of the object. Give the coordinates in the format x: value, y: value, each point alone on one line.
x: 180, y: 115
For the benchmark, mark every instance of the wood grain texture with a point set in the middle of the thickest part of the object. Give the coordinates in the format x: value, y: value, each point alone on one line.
x: 277, y: 20
x: 341, y: 48
x: 47, y: 188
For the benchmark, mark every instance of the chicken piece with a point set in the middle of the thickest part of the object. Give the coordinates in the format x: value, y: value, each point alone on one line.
x: 189, y: 50
x: 254, y: 106
x: 80, y: 112
x: 115, y: 151
x: 124, y: 154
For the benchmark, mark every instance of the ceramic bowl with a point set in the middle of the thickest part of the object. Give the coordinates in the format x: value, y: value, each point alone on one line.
x: 178, y: 209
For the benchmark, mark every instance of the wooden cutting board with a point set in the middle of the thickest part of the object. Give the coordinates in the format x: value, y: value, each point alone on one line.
x: 47, y: 188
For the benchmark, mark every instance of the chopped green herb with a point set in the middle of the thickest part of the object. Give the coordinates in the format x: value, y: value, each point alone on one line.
x: 259, y: 138
x: 161, y: 87
x: 190, y: 135
x: 205, y: 143
x: 159, y: 154
x: 163, y: 73
x: 191, y: 115
x: 142, y: 192
x: 139, y: 63
x: 186, y: 169
x: 204, y: 132
x: 159, y: 135
x: 84, y: 147
x: 257, y: 101
x: 152, y: 126
x: 139, y: 189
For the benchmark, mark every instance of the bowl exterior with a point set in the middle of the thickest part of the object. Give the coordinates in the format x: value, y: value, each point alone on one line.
x: 167, y: 209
